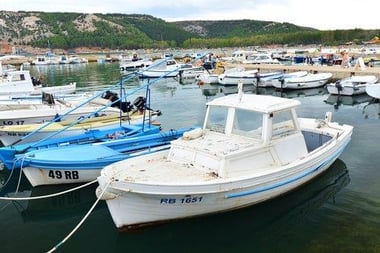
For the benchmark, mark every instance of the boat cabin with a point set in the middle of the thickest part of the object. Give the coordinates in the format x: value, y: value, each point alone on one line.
x: 16, y: 82
x: 242, y: 132
x: 239, y: 56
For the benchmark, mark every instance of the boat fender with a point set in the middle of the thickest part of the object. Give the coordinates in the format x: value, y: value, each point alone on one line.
x: 193, y: 134
x: 57, y: 118
x: 106, y: 195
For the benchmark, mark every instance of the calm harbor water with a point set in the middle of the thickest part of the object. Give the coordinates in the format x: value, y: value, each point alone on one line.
x: 337, y: 212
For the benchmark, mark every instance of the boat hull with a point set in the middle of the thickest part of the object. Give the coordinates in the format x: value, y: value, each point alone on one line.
x: 276, y: 78
x: 59, y: 166
x: 10, y: 135
x: 158, y: 74
x: 306, y: 82
x: 373, y: 90
x: 37, y: 114
x: 131, y: 206
x: 38, y: 177
x: 346, y: 90
x: 207, y: 78
x: 349, y: 86
x: 233, y: 81
x: 248, y: 77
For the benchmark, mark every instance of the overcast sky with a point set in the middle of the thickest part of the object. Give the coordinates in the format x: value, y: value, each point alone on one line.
x: 319, y: 14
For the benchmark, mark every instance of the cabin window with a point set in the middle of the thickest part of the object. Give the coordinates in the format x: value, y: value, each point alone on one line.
x: 282, y: 123
x: 247, y: 123
x: 217, y: 119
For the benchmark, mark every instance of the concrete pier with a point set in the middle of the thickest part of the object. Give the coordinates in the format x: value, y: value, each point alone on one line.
x: 338, y: 71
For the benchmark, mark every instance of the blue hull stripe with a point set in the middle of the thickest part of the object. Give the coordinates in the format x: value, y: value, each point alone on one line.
x: 291, y: 180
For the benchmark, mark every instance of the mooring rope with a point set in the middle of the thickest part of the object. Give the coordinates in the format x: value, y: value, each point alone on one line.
x: 10, y: 175
x: 82, y: 221
x: 49, y: 195
x: 7, y: 181
x: 19, y: 177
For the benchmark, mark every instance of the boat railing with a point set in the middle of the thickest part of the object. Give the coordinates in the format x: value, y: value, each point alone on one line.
x: 123, y: 95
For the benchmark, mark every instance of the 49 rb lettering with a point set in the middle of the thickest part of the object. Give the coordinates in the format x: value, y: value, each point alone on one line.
x: 185, y: 200
x: 67, y: 174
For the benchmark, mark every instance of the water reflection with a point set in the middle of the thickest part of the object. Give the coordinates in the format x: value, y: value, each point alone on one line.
x: 338, y: 101
x: 227, y: 90
x: 69, y: 205
x: 209, y: 90
x: 372, y: 109
x: 85, y: 75
x: 300, y: 93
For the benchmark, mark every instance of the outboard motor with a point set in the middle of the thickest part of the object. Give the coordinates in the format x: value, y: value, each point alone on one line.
x: 140, y: 103
x: 111, y: 96
x: 338, y: 86
x: 36, y: 81
x: 125, y: 106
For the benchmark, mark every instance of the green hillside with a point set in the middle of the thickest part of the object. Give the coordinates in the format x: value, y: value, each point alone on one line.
x: 121, y: 31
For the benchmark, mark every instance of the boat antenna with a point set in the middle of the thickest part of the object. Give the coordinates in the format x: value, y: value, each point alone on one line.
x: 121, y: 94
x: 240, y: 89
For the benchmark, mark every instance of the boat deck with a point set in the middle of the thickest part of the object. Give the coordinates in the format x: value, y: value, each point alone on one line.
x: 193, y: 160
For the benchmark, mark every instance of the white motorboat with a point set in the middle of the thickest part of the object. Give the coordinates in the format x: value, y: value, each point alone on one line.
x: 163, y: 68
x: 373, y: 90
x: 128, y: 66
x: 352, y: 85
x: 304, y: 82
x: 251, y: 148
x: 189, y: 74
x: 211, y: 76
x: 25, y: 133
x: 207, y: 78
x: 235, y: 75
x: 52, y: 109
x: 48, y: 59
x: 20, y: 83
x: 261, y: 59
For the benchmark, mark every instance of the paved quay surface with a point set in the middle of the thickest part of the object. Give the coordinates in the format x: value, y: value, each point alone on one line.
x: 337, y: 71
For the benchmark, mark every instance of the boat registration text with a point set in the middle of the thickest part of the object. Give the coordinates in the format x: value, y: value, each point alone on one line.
x: 185, y: 200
